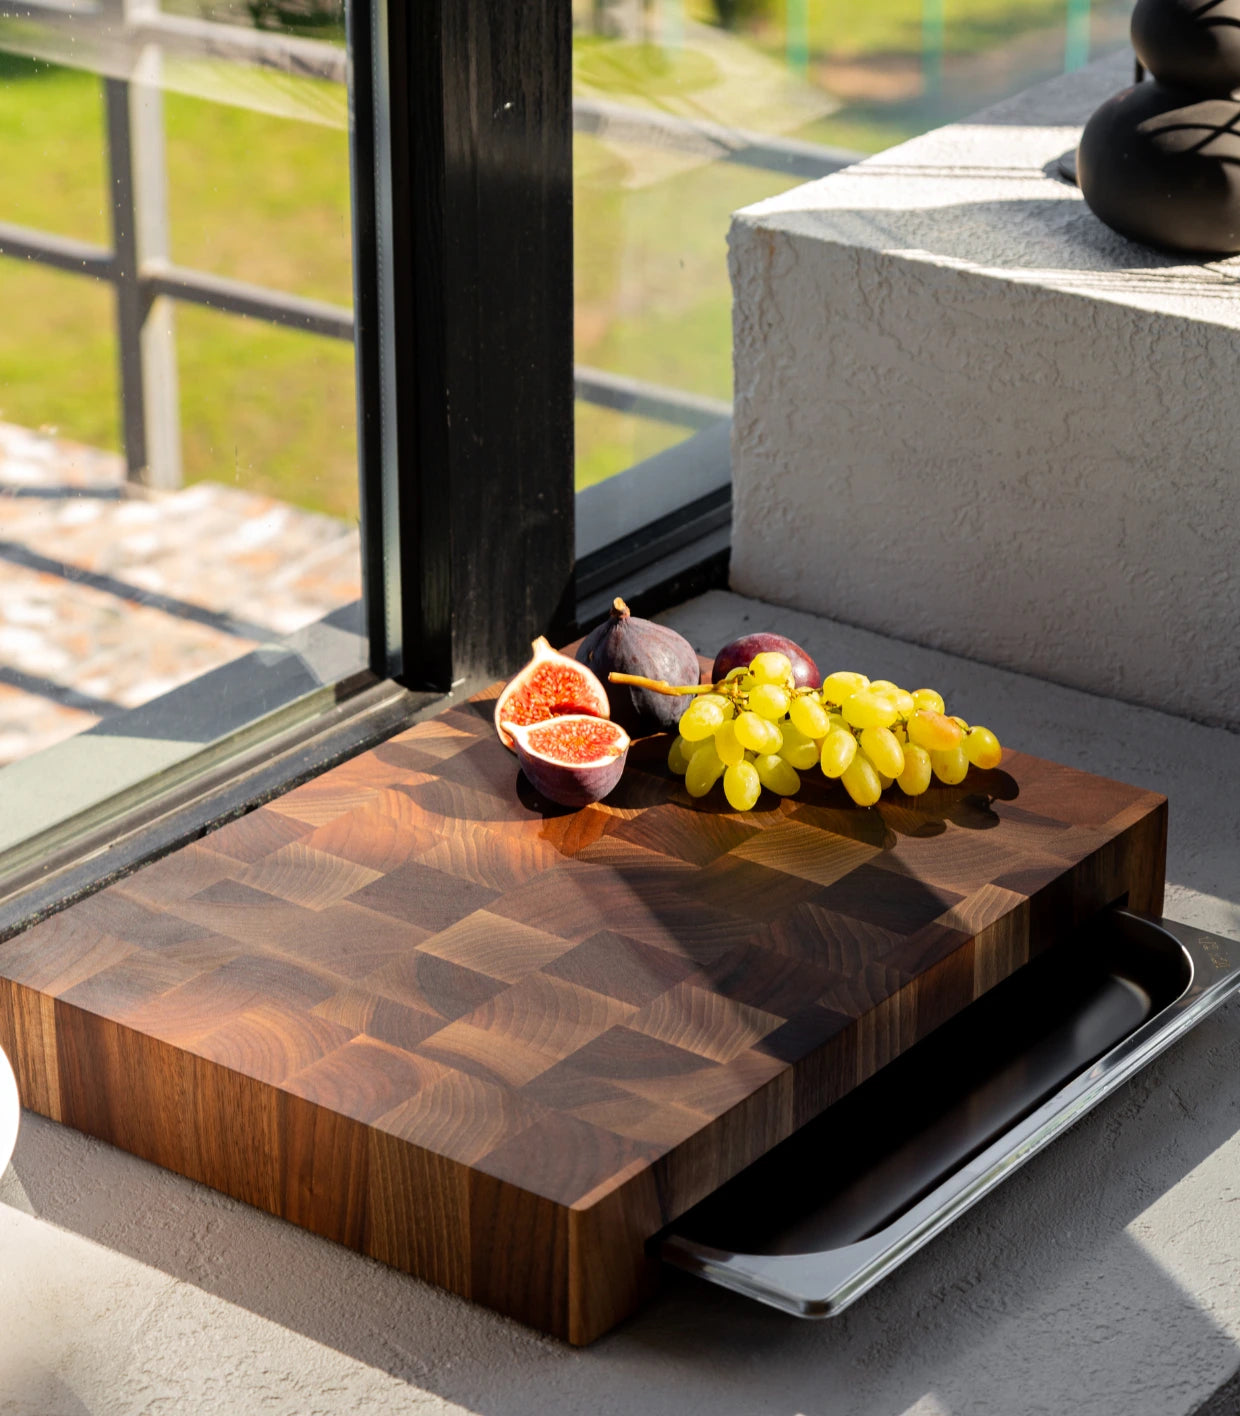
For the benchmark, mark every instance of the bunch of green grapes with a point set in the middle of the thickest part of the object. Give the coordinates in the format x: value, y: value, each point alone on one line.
x: 757, y: 729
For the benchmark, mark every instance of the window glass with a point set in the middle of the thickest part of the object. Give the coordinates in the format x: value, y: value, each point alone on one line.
x: 685, y: 110
x: 178, y: 446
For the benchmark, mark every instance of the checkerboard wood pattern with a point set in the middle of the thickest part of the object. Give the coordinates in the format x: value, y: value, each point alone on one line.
x: 500, y: 1044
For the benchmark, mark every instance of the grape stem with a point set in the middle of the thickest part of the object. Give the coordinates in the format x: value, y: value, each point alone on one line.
x: 662, y: 685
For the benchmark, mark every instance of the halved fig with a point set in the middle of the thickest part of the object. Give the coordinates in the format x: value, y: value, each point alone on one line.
x: 550, y: 686
x: 572, y: 760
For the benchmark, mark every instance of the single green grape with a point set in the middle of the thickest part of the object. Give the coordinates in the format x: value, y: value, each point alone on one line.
x: 728, y: 745
x: 916, y: 775
x: 771, y: 667
x: 982, y: 748
x: 741, y: 785
x: 927, y: 700
x: 951, y: 765
x: 838, y: 686
x: 758, y: 734
x: 933, y: 731
x: 677, y: 758
x: 705, y: 769
x: 904, y: 702
x: 798, y: 750
x: 839, y: 747
x: 777, y: 775
x: 881, y: 747
x: 769, y: 700
x: 703, y: 716
x: 809, y: 716
x: 867, y: 709
x: 861, y: 781
x: 751, y: 731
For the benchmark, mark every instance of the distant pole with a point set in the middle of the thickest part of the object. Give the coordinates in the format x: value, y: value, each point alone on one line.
x: 932, y: 39
x: 673, y: 26
x: 1076, y: 39
x: 797, y: 28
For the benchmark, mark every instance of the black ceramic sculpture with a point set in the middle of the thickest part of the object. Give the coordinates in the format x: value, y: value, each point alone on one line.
x: 1160, y: 162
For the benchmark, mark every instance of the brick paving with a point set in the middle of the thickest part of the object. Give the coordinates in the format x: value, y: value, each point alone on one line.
x: 111, y: 596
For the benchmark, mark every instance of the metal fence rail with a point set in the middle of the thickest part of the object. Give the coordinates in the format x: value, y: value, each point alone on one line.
x: 126, y: 41
x: 711, y: 141
x: 649, y: 400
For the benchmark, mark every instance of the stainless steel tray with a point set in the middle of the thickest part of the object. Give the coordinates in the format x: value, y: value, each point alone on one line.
x: 826, y: 1215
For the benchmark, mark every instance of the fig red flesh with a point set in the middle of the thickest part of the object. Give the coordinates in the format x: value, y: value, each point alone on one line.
x: 576, y: 739
x: 550, y: 694
x: 549, y: 686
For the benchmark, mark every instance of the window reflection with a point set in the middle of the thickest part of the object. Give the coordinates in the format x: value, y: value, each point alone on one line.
x: 178, y: 458
x: 685, y: 110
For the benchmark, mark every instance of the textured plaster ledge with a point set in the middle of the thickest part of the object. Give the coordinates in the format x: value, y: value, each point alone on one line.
x: 968, y: 413
x: 1102, y: 1280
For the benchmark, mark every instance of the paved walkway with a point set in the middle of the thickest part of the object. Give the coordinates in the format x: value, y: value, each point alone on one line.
x: 110, y: 596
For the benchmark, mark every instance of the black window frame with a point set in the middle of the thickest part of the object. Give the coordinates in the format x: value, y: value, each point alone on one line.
x: 461, y: 126
x: 476, y: 96
x: 475, y: 315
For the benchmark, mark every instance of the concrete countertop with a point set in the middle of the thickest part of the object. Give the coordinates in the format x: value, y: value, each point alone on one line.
x: 1102, y: 1280
x: 951, y: 374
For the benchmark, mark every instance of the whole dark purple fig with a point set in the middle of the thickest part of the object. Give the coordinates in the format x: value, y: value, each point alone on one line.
x: 742, y: 652
x: 625, y: 644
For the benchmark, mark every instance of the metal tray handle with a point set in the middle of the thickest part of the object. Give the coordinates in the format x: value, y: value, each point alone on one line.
x: 821, y: 1284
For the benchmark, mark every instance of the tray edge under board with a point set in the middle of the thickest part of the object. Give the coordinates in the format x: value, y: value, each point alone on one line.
x: 823, y: 1284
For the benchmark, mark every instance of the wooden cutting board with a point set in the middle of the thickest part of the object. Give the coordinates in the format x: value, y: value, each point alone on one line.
x: 499, y: 1044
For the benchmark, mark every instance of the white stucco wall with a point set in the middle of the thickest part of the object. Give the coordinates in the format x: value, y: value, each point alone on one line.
x: 968, y: 414
x: 1102, y: 1280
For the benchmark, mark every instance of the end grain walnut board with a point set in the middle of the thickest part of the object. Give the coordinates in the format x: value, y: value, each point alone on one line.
x: 500, y: 1046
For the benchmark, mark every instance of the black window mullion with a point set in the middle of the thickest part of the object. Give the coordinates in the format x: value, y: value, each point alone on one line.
x: 481, y: 281
x: 371, y: 197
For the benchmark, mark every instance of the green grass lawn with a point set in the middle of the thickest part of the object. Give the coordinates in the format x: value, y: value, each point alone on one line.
x: 265, y: 198
x: 252, y: 196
